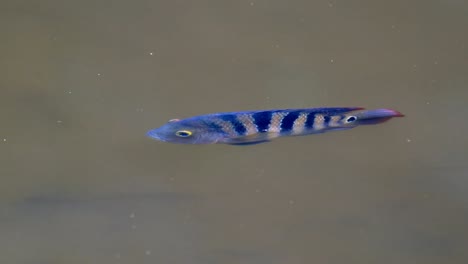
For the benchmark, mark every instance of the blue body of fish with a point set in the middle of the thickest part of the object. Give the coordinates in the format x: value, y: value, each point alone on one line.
x: 254, y: 127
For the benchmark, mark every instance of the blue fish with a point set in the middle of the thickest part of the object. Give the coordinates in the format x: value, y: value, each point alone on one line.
x: 254, y: 127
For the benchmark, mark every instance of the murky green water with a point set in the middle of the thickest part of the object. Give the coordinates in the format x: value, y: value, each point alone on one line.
x: 82, y: 81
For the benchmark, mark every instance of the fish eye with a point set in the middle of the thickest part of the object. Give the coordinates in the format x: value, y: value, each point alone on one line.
x: 351, y: 119
x: 183, y: 133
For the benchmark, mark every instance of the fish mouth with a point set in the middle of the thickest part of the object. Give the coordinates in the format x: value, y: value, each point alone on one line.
x: 392, y: 113
x: 376, y: 116
x: 380, y: 113
x: 154, y: 135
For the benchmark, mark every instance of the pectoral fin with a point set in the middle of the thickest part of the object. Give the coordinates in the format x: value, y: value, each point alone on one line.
x: 250, y: 139
x: 249, y: 143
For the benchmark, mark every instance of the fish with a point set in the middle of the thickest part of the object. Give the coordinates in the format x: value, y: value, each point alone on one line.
x: 261, y: 126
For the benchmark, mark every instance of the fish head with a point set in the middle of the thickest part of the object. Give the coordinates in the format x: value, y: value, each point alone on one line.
x: 368, y: 117
x: 188, y: 131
